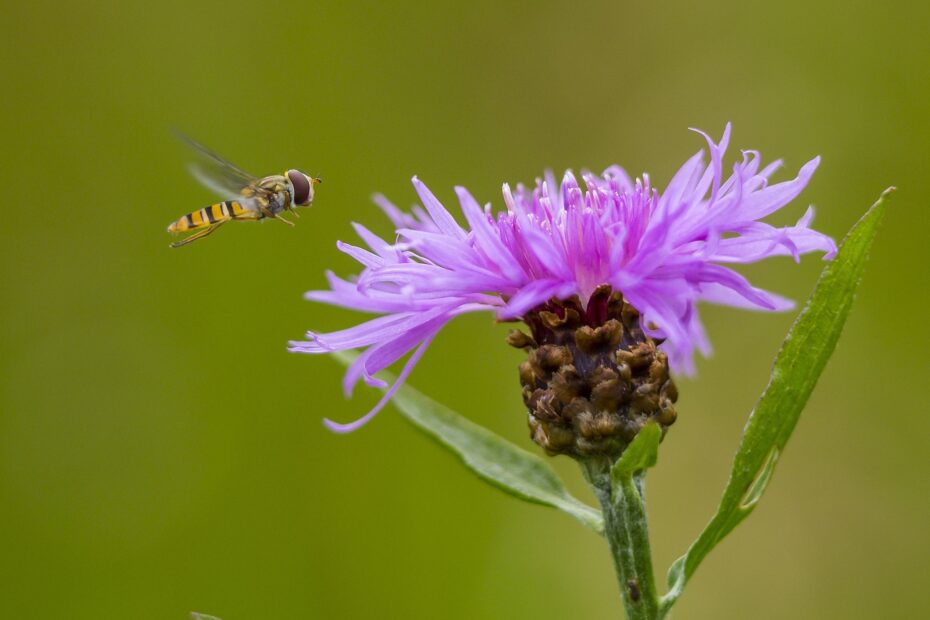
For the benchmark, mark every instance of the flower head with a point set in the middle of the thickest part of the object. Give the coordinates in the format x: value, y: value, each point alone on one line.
x: 560, y: 245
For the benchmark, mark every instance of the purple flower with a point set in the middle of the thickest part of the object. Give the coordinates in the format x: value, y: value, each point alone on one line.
x: 664, y: 251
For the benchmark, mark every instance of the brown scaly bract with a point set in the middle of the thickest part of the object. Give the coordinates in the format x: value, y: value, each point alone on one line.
x: 592, y: 378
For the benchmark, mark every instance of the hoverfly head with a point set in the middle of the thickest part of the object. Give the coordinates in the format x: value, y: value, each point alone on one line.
x: 303, y: 187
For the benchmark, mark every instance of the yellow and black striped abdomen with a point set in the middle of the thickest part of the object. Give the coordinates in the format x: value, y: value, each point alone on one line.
x: 214, y: 214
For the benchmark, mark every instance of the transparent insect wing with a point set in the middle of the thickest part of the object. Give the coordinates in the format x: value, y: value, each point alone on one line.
x: 215, y: 172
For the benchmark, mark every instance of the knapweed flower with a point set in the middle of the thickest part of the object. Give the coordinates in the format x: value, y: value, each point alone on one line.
x: 607, y: 273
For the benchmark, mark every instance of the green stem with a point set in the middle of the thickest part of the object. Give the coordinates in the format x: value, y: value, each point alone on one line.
x: 627, y: 532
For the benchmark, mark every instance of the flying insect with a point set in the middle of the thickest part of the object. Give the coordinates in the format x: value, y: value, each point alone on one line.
x: 247, y: 198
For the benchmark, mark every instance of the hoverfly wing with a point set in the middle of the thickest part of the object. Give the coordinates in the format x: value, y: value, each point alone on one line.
x: 215, y: 172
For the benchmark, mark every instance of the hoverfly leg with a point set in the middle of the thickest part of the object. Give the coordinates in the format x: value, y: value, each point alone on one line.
x: 278, y: 216
x: 198, y: 235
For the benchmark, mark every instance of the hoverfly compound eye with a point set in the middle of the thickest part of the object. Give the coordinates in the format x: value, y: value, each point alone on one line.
x: 301, y: 186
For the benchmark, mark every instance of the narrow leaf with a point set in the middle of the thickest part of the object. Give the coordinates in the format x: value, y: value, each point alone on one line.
x: 802, y: 358
x: 642, y: 453
x: 493, y: 458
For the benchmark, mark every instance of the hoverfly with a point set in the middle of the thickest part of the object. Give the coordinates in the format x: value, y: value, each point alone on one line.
x: 247, y: 198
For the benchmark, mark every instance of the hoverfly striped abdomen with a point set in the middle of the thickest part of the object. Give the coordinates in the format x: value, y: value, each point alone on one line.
x: 214, y: 214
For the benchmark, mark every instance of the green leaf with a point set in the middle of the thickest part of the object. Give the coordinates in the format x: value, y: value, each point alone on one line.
x: 493, y: 458
x: 802, y: 358
x: 642, y: 453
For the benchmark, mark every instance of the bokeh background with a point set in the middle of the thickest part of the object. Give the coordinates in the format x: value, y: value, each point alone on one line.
x: 162, y: 453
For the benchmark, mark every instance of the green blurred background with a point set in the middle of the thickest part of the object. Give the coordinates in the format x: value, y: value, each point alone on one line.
x: 161, y: 452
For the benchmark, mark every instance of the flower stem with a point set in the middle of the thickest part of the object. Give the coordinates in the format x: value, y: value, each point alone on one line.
x: 627, y: 531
